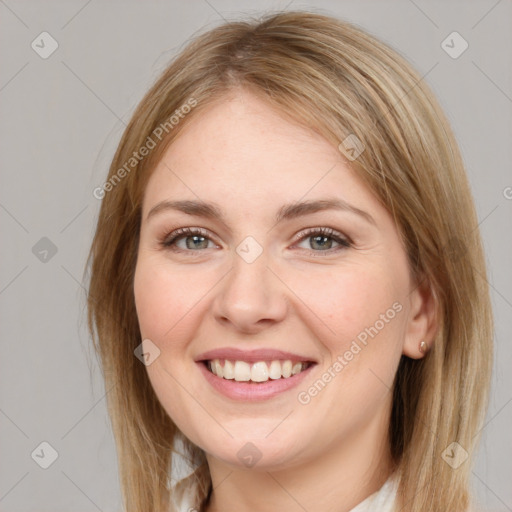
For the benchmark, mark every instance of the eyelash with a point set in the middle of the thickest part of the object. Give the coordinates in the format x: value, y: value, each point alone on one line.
x: 169, y: 241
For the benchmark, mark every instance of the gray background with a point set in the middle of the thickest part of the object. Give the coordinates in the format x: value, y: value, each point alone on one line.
x: 61, y: 119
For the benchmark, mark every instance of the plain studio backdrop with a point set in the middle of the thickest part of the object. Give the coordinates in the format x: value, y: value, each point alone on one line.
x: 71, y: 73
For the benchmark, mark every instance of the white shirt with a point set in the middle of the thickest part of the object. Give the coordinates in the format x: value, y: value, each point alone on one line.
x: 380, y: 501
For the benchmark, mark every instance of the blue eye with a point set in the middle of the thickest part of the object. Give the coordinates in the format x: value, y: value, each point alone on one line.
x: 194, y: 238
x: 197, y: 239
x: 322, y: 239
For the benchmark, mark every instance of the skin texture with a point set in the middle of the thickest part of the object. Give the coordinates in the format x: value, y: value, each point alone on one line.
x: 329, y: 453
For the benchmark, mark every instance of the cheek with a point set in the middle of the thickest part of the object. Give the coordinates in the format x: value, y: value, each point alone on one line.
x: 348, y: 301
x: 165, y: 301
x: 359, y: 321
x: 165, y: 298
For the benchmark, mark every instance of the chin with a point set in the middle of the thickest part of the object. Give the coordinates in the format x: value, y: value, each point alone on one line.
x: 268, y: 452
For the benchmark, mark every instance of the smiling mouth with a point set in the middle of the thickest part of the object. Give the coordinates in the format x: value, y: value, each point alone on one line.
x: 258, y: 372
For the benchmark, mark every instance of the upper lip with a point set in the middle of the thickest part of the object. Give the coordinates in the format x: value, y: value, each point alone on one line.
x: 251, y: 356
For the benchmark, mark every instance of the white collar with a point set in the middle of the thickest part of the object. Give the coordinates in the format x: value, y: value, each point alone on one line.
x: 381, y: 501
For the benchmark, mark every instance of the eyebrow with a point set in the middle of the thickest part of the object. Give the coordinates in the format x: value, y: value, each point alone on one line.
x: 286, y: 212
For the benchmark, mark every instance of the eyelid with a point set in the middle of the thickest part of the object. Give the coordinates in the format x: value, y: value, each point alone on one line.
x: 169, y: 240
x: 175, y: 234
x: 324, y: 230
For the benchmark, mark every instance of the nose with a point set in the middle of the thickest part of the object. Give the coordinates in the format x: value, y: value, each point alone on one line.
x: 251, y: 298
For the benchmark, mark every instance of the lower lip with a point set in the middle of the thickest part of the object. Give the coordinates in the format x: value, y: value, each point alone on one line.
x: 252, y: 391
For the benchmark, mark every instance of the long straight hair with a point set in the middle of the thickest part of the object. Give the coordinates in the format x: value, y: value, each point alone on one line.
x: 340, y: 81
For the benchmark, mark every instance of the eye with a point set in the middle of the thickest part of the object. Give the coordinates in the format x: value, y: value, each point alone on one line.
x: 197, y: 239
x: 322, y: 240
x: 193, y: 238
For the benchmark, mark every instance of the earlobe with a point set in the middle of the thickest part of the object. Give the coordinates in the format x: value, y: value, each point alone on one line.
x: 422, y: 322
x: 420, y: 351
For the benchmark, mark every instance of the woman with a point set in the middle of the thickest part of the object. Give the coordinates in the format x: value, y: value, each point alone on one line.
x: 286, y: 281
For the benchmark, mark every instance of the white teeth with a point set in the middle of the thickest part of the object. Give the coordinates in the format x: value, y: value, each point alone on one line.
x: 297, y: 367
x: 218, y: 368
x: 274, y: 371
x: 260, y: 371
x: 287, y: 369
x: 242, y: 371
x: 229, y: 370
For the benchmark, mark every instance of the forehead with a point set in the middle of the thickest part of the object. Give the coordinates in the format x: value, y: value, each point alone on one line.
x: 242, y: 151
x: 242, y: 127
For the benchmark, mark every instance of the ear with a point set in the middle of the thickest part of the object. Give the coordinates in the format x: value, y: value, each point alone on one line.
x: 423, y: 322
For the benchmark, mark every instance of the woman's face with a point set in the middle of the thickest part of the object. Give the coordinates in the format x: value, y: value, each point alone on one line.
x: 291, y: 264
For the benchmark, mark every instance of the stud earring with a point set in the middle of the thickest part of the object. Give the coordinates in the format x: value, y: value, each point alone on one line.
x: 423, y: 347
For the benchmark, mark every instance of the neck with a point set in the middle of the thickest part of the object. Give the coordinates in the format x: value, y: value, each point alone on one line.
x: 339, y: 479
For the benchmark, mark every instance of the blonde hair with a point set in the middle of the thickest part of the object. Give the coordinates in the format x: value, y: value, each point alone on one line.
x: 338, y: 80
